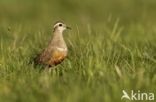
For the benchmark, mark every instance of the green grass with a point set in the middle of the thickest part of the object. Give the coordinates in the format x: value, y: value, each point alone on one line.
x: 111, y: 48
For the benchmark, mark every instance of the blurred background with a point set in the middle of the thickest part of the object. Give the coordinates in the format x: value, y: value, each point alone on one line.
x: 101, y: 14
x: 111, y: 48
x: 93, y: 15
x: 77, y: 12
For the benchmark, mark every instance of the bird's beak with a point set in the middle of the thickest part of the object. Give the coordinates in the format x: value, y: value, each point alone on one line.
x: 68, y: 28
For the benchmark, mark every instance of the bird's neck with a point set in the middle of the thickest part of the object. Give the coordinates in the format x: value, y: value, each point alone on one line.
x: 58, y: 39
x: 58, y: 35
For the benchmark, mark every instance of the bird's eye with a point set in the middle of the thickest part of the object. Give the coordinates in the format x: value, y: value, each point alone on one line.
x: 60, y: 25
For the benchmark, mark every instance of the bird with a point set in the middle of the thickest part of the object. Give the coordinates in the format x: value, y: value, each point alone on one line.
x: 57, y: 50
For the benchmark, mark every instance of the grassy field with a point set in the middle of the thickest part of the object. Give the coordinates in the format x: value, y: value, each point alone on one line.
x: 112, y: 47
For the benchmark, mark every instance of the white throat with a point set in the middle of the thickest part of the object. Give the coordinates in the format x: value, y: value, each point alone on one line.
x: 60, y: 29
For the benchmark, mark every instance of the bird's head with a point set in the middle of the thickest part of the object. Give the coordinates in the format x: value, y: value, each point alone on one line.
x: 60, y: 26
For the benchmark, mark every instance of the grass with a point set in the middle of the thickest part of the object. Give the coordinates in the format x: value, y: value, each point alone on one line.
x: 111, y: 48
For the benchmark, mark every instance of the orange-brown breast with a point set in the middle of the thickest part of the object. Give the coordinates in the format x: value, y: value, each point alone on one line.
x: 57, y: 57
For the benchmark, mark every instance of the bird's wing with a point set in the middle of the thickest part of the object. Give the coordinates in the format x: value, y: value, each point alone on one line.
x: 45, y: 56
x: 51, y: 56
